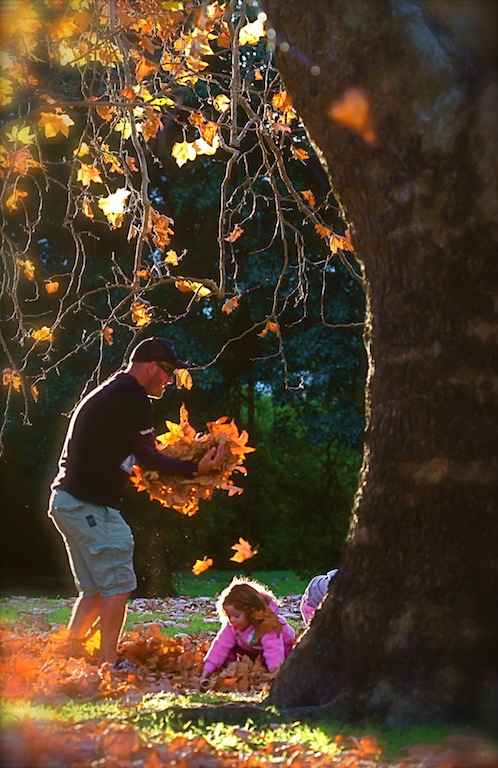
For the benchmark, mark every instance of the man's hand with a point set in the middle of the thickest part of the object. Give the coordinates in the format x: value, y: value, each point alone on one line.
x: 212, y: 459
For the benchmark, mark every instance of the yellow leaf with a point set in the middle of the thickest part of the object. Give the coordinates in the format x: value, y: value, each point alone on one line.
x: 141, y: 313
x: 82, y: 150
x: 87, y: 174
x: 113, y: 206
x: 42, y: 334
x: 190, y: 285
x: 34, y: 393
x: 6, y: 91
x: 14, y: 198
x: 183, y: 151
x: 55, y: 123
x: 203, y: 148
x: 171, y: 258
x: 21, y: 135
x: 251, y: 33
x: 221, y: 102
x: 28, y: 267
x: 51, y: 286
x: 243, y: 551
x: 201, y: 565
x: 183, y: 378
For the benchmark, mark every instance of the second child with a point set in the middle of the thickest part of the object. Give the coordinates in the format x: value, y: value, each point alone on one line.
x: 251, y: 626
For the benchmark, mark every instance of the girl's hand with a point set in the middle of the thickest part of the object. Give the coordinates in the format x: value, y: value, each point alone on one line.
x: 212, y: 459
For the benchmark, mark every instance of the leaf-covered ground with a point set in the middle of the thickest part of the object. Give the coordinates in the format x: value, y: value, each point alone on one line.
x: 45, y: 694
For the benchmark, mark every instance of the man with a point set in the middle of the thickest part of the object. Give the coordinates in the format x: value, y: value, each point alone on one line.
x: 109, y: 431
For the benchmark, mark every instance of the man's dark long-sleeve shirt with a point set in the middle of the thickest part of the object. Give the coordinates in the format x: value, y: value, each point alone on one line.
x: 112, y: 423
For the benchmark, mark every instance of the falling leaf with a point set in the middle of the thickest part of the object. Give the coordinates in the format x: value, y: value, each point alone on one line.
x: 230, y: 305
x: 113, y: 206
x: 183, y: 378
x: 87, y: 174
x: 270, y: 327
x: 221, y: 102
x: 42, y: 334
x: 11, y: 377
x: 309, y: 197
x: 183, y: 151
x: 141, y: 313
x: 189, y: 285
x: 51, y: 286
x: 108, y: 335
x: 243, y: 551
x: 234, y: 234
x: 252, y: 33
x: 354, y: 111
x: 55, y: 123
x: 14, y: 198
x: 201, y: 565
x: 28, y: 268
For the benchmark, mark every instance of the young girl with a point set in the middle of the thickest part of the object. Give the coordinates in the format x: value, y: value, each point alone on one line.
x: 251, y: 626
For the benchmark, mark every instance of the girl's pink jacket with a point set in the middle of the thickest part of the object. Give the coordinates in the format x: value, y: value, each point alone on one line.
x: 273, y: 647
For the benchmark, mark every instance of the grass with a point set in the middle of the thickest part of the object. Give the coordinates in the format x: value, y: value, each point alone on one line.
x: 210, y: 583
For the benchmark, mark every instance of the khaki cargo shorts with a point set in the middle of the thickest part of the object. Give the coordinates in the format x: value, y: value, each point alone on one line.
x: 99, y: 545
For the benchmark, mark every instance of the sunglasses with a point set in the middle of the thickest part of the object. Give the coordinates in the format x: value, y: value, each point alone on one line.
x: 166, y: 368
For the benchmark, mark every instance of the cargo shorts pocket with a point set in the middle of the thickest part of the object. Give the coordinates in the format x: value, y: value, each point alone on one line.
x: 112, y: 567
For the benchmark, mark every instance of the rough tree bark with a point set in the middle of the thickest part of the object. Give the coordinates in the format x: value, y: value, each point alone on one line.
x: 410, y: 627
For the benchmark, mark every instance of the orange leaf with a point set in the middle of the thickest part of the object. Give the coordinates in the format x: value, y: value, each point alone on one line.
x: 309, y: 197
x: 141, y: 313
x: 55, y: 123
x: 14, y: 198
x: 201, y: 565
x: 323, y: 231
x: 353, y: 110
x: 51, y: 286
x: 88, y: 173
x: 42, y: 334
x: 108, y: 334
x: 230, y: 305
x: 270, y: 327
x: 234, y: 234
x: 243, y: 551
x: 183, y: 378
x: 11, y: 377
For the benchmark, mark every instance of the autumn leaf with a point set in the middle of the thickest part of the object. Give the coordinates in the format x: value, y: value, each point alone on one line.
x: 141, y: 313
x: 234, y: 234
x: 86, y: 208
x: 340, y: 242
x: 221, y: 102
x: 183, y: 378
x: 35, y: 394
x: 113, y: 206
x: 11, y: 377
x: 230, y: 305
x: 171, y: 258
x: 183, y: 151
x: 51, y: 286
x: 55, y: 123
x: 309, y: 197
x: 323, y: 231
x: 354, y: 111
x: 299, y: 154
x: 243, y: 551
x: 189, y: 285
x: 144, y: 69
x: 21, y: 135
x: 252, y: 33
x: 42, y: 334
x: 108, y: 335
x: 87, y: 174
x: 270, y: 327
x: 14, y: 199
x: 28, y: 268
x: 201, y: 565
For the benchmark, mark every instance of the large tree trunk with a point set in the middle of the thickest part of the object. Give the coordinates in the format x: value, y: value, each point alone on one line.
x: 410, y: 627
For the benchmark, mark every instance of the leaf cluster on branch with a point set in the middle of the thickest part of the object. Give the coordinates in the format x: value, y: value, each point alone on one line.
x: 181, y: 441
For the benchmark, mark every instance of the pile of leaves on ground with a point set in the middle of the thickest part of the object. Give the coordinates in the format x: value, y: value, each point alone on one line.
x: 36, y: 669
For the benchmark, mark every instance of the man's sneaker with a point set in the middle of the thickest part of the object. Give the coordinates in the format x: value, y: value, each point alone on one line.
x: 124, y: 665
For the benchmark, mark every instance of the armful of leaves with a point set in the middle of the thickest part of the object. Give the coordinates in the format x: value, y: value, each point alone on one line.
x: 183, y: 442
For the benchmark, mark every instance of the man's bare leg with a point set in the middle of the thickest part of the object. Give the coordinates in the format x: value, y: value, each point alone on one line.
x: 85, y: 613
x: 112, y: 617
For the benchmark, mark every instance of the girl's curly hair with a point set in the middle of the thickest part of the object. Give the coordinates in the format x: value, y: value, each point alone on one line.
x: 246, y: 595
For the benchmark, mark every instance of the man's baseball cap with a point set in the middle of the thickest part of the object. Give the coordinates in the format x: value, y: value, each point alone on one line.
x: 157, y: 350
